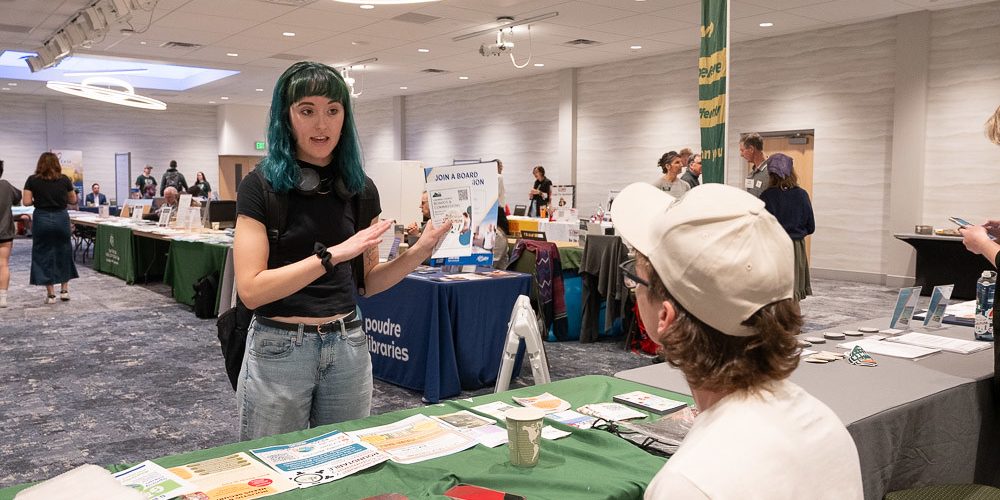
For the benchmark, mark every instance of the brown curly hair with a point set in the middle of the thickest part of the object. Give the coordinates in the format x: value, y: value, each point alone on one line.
x: 48, y: 167
x: 713, y: 360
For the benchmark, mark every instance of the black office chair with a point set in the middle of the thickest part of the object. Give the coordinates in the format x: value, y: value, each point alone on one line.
x: 533, y: 235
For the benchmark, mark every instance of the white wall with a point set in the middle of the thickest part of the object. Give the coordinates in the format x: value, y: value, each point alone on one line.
x: 374, y: 120
x: 516, y: 121
x: 239, y: 129
x: 184, y: 133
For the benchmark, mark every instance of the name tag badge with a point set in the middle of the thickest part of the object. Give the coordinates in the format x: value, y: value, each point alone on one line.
x: 759, y: 184
x: 748, y: 183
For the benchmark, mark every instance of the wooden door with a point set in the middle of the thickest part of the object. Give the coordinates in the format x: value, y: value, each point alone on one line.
x: 802, y: 160
x: 232, y: 169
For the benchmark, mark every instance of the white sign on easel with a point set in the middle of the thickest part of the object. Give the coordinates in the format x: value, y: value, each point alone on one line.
x: 934, y: 316
x: 906, y: 305
x: 164, y: 216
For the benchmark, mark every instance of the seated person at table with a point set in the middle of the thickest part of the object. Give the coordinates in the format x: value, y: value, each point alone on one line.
x: 713, y: 278
x: 170, y: 199
x: 95, y: 197
x: 413, y: 230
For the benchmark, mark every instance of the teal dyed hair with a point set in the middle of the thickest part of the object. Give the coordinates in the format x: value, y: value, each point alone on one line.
x: 304, y: 79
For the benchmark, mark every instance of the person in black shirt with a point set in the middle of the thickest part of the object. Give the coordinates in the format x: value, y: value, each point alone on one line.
x: 540, y: 192
x: 146, y: 183
x: 307, y: 361
x: 204, y: 188
x: 51, y: 252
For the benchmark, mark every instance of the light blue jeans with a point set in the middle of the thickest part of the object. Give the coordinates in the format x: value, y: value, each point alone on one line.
x: 294, y: 380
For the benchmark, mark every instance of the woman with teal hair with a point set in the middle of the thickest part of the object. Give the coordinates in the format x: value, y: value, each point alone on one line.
x: 307, y: 360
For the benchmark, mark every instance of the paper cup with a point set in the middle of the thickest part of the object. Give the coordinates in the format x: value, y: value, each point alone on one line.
x: 215, y: 226
x: 524, y: 435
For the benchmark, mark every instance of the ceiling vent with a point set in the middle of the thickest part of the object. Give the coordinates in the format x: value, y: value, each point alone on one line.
x: 13, y: 28
x: 413, y: 17
x: 434, y: 71
x: 293, y: 3
x: 581, y: 42
x: 180, y: 45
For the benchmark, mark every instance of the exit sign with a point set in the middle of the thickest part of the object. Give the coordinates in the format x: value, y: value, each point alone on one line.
x: 259, y: 145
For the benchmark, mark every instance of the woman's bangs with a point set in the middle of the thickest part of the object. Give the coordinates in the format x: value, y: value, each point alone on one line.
x: 314, y: 81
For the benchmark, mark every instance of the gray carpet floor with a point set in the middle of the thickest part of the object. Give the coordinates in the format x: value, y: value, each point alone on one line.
x: 122, y: 374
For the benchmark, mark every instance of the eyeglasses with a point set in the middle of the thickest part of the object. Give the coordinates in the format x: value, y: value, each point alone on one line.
x: 631, y: 278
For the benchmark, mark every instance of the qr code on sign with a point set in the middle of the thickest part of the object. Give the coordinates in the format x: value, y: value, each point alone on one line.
x: 463, y: 195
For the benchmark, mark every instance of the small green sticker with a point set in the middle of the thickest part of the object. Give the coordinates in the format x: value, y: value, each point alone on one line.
x: 259, y: 145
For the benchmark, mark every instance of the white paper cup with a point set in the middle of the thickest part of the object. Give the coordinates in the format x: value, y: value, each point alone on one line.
x: 524, y: 435
x: 215, y: 226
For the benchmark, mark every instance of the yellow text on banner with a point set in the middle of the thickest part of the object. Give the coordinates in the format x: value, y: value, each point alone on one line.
x: 712, y: 68
x: 713, y: 111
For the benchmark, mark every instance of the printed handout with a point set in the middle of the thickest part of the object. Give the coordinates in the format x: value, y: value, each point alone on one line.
x: 321, y: 459
x: 233, y: 477
x: 455, y: 205
x: 155, y: 482
x: 415, y: 439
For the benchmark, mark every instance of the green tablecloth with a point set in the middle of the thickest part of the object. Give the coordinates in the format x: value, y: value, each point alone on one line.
x: 590, y: 464
x: 570, y: 258
x: 113, y: 252
x: 189, y: 261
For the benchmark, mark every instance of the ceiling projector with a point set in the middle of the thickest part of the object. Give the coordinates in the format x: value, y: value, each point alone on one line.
x: 495, y: 49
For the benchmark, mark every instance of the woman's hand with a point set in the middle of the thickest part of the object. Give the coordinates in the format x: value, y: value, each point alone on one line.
x: 363, y: 240
x: 413, y: 229
x: 977, y: 239
x: 993, y: 228
x: 431, y: 236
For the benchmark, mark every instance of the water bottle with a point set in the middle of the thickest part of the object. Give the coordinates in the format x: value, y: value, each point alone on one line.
x: 985, y: 287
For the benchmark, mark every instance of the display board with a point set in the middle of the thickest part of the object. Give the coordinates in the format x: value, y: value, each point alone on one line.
x: 123, y: 177
x: 475, y: 187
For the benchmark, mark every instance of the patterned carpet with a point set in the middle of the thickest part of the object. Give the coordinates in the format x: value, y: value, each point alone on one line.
x: 121, y: 373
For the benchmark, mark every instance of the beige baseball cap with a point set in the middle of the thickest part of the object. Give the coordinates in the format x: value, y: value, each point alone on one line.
x: 717, y: 250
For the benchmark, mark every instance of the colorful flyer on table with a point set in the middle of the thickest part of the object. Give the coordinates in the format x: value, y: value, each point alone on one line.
x: 321, y: 459
x: 233, y: 477
x: 939, y: 302
x: 455, y: 205
x: 155, y: 482
x: 415, y: 439
x: 906, y: 305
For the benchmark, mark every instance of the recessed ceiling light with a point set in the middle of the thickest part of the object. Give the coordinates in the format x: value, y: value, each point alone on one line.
x: 288, y: 33
x: 424, y: 50
x: 224, y: 98
x: 635, y: 47
x: 232, y: 54
x: 12, y: 84
x: 367, y: 6
x: 5, y: 88
x: 211, y: 102
x: 539, y: 65
x: 259, y: 90
x: 404, y: 88
x: 142, y: 43
x: 463, y: 78
x: 766, y: 25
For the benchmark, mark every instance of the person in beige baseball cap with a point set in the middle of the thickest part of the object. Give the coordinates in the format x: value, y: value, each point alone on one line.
x: 713, y: 274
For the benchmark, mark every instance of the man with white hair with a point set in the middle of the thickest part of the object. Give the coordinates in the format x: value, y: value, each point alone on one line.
x: 713, y: 276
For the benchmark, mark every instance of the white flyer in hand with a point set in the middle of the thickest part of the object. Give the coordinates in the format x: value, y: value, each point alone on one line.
x: 455, y: 205
x: 321, y: 459
x: 155, y: 482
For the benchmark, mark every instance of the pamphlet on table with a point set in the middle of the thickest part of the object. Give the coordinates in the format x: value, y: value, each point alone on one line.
x: 612, y: 412
x: 482, y: 429
x: 415, y: 439
x: 545, y: 402
x: 649, y: 402
x: 874, y: 344
x: 944, y: 343
x: 498, y: 409
x: 154, y: 482
x: 232, y: 477
x: 321, y: 459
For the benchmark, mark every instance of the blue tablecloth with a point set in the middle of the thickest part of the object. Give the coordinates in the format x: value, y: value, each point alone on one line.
x: 441, y: 337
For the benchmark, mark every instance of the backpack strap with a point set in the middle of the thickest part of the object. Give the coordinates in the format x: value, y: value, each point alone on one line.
x: 276, y: 208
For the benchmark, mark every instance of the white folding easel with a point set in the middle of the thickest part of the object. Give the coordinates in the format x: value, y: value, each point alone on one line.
x: 523, y: 325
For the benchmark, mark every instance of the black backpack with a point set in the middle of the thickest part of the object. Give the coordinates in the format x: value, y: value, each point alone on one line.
x: 172, y: 178
x: 234, y: 323
x: 205, y: 291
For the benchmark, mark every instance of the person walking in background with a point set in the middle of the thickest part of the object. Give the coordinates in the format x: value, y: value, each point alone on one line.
x: 146, y: 183
x: 790, y: 204
x: 204, y: 188
x: 540, y: 192
x: 752, y: 150
x: 94, y: 197
x: 9, y: 196
x: 52, y: 252
x: 982, y: 240
x: 173, y: 178
x: 671, y: 164
x: 501, y: 190
x: 693, y: 174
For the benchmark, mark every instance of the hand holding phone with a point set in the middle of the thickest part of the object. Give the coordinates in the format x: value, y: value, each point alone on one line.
x: 960, y: 221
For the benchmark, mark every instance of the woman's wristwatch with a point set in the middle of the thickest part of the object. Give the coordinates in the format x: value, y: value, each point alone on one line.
x: 320, y: 251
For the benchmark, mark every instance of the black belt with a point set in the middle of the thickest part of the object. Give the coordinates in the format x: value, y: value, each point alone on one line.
x: 350, y: 322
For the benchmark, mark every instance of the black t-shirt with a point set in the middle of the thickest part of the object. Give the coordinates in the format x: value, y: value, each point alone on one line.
x: 545, y: 186
x: 49, y: 194
x: 324, y: 218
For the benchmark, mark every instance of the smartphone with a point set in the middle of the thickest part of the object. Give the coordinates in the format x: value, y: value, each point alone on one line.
x: 960, y: 221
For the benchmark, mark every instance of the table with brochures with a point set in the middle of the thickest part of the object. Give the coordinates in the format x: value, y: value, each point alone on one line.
x: 930, y: 420
x: 440, y: 333
x: 588, y: 464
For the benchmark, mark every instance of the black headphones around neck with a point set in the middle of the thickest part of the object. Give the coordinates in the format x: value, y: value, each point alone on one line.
x: 310, y: 184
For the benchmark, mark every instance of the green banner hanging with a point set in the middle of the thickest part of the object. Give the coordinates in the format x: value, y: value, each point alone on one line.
x: 713, y: 67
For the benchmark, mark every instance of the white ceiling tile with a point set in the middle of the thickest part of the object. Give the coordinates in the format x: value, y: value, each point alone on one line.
x: 641, y: 25
x: 223, y: 25
x: 690, y: 36
x: 235, y: 9
x: 324, y: 20
x: 777, y: 4
x: 783, y: 23
x: 689, y: 13
x: 849, y: 10
x: 584, y: 14
x: 411, y: 31
x: 641, y: 6
x: 742, y: 9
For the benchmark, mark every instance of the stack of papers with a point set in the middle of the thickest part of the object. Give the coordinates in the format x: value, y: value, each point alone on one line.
x: 875, y: 345
x: 479, y: 428
x: 612, y: 412
x: 943, y: 343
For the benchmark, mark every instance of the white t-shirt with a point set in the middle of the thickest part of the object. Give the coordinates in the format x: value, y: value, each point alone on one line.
x: 775, y: 444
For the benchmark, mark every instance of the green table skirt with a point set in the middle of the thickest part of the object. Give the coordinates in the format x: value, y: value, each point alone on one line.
x: 189, y: 261
x: 113, y: 252
x: 589, y: 464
